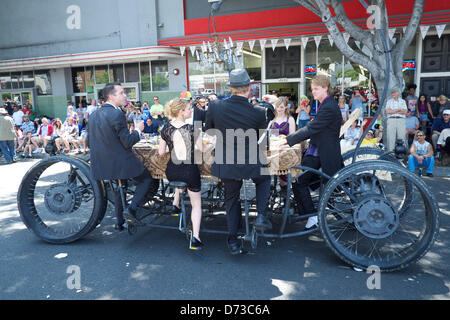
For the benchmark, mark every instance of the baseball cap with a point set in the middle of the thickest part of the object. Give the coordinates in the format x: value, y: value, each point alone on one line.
x: 446, y: 111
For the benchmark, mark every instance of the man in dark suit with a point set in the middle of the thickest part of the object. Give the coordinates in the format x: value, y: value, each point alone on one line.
x: 110, y: 143
x: 236, y: 122
x: 324, y: 150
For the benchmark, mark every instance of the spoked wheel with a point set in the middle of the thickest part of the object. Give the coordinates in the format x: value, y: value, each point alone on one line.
x: 59, y: 201
x: 363, y: 220
x: 369, y: 153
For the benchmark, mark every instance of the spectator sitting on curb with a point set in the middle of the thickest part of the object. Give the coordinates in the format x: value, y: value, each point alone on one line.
x: 421, y: 154
x: 439, y: 125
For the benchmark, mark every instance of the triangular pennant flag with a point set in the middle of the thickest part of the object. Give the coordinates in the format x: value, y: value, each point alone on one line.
x: 198, y: 57
x: 330, y: 38
x: 287, y: 43
x: 204, y: 48
x: 317, y: 40
x: 225, y: 44
x: 251, y: 44
x: 192, y: 50
x: 274, y: 43
x: 424, y: 30
x: 304, y: 42
x: 182, y: 50
x: 230, y: 42
x: 404, y: 30
x: 262, y: 43
x: 358, y: 44
x: 440, y: 29
x: 209, y: 47
x: 346, y: 36
x: 391, y: 33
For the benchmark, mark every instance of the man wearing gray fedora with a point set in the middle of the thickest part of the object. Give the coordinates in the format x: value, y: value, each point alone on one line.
x: 235, y: 162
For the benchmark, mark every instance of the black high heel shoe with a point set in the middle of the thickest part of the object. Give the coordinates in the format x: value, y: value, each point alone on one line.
x: 195, y: 244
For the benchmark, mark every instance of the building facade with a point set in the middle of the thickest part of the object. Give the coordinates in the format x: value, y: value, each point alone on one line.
x: 58, y: 51
x: 284, y: 45
x: 61, y: 50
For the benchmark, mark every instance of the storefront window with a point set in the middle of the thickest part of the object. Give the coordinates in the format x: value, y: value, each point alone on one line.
x: 78, y: 80
x: 132, y: 72
x: 116, y: 73
x: 145, y: 76
x: 16, y: 80
x: 28, y: 79
x: 5, y: 80
x: 282, y: 63
x: 160, y: 75
x: 89, y: 74
x: 101, y: 75
x: 252, y: 62
x: 43, y: 82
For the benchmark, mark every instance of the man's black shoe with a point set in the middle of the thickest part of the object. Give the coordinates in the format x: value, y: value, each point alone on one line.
x: 263, y: 222
x: 130, y: 217
x: 235, y: 248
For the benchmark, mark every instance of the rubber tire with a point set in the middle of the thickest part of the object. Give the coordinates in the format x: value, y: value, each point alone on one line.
x: 27, y: 210
x: 431, y: 204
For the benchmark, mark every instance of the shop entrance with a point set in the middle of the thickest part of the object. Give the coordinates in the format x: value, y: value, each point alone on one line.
x: 290, y: 89
x: 20, y: 98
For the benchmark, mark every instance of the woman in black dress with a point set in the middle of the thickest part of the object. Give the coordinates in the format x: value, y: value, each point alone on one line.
x: 179, y: 137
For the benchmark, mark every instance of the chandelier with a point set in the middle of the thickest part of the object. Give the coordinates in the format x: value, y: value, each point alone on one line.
x: 216, y: 51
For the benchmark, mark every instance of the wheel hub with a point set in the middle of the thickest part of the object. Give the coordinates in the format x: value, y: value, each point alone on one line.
x: 375, y: 217
x: 62, y: 198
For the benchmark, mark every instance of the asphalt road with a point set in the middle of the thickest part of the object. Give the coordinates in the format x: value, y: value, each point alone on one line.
x: 156, y: 263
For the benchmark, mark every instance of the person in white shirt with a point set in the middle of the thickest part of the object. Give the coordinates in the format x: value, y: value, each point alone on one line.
x: 421, y: 154
x: 17, y: 116
x: 396, y: 125
x: 351, y: 135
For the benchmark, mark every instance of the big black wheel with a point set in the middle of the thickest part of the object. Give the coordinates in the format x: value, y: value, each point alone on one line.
x: 59, y: 201
x: 363, y: 220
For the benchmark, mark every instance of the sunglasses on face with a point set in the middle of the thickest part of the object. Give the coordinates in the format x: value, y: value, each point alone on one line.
x: 420, y: 135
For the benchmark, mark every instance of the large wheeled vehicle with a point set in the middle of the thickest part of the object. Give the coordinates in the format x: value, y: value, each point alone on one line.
x: 371, y: 212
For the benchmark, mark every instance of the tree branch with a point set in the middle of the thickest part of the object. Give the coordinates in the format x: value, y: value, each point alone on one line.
x: 341, y: 17
x: 411, y: 29
x: 308, y: 5
x: 330, y: 23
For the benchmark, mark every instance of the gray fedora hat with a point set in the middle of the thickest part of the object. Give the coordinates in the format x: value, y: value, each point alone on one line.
x: 239, y: 78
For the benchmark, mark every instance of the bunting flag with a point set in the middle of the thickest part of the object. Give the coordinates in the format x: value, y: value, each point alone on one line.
x: 204, y: 48
x: 251, y: 44
x: 192, y: 50
x: 404, y: 30
x: 358, y: 44
x: 330, y: 38
x: 424, y: 30
x: 230, y: 42
x: 225, y: 44
x: 317, y: 40
x: 304, y: 42
x: 274, y: 43
x: 346, y: 36
x: 391, y: 33
x: 198, y: 57
x: 287, y: 43
x: 182, y: 50
x: 209, y: 47
x: 262, y: 43
x: 440, y: 29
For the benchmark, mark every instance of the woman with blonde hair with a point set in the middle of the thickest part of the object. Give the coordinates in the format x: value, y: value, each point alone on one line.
x: 283, y: 123
x: 179, y: 137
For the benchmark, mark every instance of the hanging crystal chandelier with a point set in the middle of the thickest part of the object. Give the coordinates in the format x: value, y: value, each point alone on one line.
x: 216, y: 51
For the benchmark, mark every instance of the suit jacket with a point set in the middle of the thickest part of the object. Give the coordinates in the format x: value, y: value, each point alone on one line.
x: 110, y: 143
x: 236, y: 113
x: 324, y: 134
x: 199, y: 114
